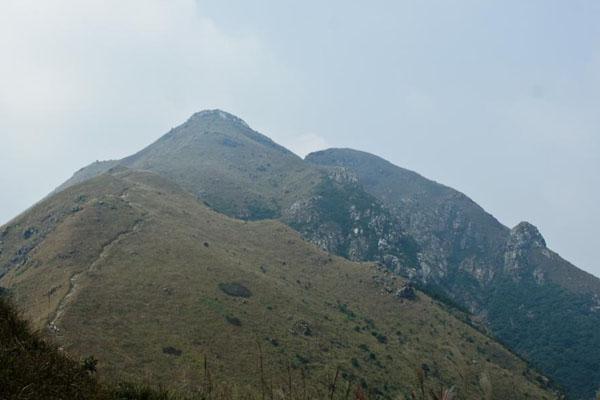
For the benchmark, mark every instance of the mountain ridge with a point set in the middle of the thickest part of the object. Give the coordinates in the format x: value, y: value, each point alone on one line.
x: 364, y: 208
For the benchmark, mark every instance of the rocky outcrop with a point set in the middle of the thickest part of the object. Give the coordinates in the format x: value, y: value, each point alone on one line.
x: 406, y: 292
x: 525, y: 236
x: 522, y: 241
x: 340, y: 217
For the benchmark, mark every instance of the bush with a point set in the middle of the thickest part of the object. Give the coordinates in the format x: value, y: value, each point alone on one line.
x: 233, y: 320
x: 235, y: 289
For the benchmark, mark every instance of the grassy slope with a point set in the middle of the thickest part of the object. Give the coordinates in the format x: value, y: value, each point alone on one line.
x: 132, y: 265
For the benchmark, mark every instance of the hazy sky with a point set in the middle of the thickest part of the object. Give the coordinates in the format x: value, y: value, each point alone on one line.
x: 499, y: 99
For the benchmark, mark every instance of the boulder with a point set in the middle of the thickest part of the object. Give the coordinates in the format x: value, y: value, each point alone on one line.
x: 406, y: 292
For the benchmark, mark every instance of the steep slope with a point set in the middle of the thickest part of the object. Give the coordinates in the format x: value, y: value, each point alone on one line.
x: 134, y: 270
x: 450, y: 227
x: 533, y: 300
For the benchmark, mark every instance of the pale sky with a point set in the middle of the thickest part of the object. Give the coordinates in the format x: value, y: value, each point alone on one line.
x: 499, y: 99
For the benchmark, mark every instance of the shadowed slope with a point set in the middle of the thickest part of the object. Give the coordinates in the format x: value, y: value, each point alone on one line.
x: 32, y: 369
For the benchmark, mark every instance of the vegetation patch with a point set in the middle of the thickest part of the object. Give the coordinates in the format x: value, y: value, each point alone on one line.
x: 380, y: 337
x: 172, y: 351
x: 343, y: 307
x: 29, y: 232
x: 233, y: 320
x: 300, y: 360
x: 235, y: 289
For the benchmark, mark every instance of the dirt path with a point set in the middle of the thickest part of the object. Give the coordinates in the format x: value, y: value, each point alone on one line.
x: 73, y: 286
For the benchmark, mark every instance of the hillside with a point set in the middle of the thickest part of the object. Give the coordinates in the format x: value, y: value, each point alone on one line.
x: 539, y: 304
x: 363, y: 208
x: 132, y: 269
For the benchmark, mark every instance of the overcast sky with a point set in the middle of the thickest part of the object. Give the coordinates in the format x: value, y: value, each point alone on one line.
x: 499, y: 99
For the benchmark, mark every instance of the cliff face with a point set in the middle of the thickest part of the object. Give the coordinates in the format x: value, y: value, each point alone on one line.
x: 523, y: 240
x: 342, y: 218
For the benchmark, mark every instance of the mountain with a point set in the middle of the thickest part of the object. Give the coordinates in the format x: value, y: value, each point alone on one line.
x: 219, y: 158
x: 363, y: 208
x: 241, y: 173
x: 540, y: 305
x: 131, y: 268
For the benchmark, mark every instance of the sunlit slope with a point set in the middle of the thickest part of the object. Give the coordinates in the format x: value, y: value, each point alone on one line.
x: 132, y: 269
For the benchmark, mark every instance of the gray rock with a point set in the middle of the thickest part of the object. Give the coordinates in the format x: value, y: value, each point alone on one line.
x: 406, y: 292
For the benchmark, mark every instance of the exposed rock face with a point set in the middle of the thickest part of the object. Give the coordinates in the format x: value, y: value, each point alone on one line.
x: 523, y: 239
x: 343, y: 176
x: 343, y: 219
x: 525, y: 236
x: 456, y: 237
x: 407, y: 292
x: 460, y: 245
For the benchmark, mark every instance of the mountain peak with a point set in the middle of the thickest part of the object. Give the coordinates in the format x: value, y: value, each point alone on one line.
x: 216, y: 114
x: 526, y: 234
